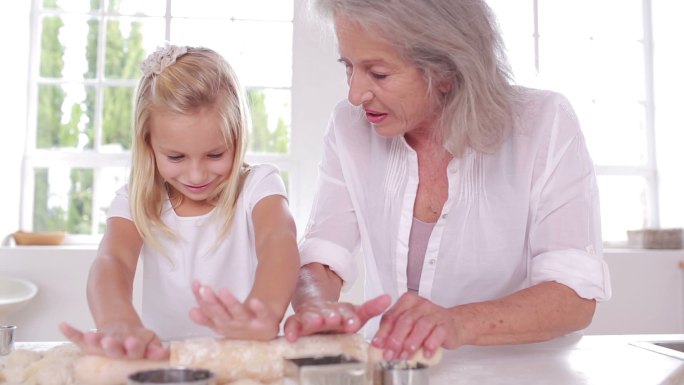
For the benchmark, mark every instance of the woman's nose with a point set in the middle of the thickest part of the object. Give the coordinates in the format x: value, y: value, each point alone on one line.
x: 359, y: 90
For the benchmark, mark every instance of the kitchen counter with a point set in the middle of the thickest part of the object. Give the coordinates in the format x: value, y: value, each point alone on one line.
x: 569, y: 360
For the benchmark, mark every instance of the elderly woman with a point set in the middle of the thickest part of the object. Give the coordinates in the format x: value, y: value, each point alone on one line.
x: 474, y: 201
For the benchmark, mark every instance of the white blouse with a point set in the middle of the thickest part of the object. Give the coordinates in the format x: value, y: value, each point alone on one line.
x: 526, y: 214
x: 167, y: 278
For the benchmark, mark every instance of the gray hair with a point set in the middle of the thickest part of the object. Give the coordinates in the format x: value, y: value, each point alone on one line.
x: 453, y: 40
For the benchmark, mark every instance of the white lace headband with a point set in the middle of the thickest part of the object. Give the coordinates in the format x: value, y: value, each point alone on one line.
x: 161, y: 58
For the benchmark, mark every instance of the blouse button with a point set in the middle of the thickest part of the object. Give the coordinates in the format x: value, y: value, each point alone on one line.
x: 433, y: 261
x: 444, y: 216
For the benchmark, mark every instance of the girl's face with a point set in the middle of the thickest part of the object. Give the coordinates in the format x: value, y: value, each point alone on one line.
x: 190, y: 152
x: 392, y: 91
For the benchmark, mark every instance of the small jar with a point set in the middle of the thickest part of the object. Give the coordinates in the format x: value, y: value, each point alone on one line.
x: 6, y: 339
x: 401, y: 373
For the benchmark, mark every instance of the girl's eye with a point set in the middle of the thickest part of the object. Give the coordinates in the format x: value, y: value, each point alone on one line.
x: 216, y: 156
x: 175, y: 158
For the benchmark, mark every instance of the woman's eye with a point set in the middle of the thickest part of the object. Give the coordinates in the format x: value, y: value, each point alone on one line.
x: 378, y: 76
x: 216, y: 156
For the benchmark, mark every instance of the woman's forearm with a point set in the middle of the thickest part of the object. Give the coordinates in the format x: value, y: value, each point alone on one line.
x: 538, y: 313
x: 318, y: 283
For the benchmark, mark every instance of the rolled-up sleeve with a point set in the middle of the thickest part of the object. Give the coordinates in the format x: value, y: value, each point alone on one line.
x: 332, y: 234
x: 565, y: 236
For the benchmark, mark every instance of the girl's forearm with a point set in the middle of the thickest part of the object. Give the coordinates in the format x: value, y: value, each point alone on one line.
x: 276, y: 275
x: 110, y: 294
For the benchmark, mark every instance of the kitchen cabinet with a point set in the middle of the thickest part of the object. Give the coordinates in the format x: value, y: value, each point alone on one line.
x: 648, y: 287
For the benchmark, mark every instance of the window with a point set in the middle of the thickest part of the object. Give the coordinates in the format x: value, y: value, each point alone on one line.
x: 600, y: 55
x: 616, y: 60
x: 83, y: 73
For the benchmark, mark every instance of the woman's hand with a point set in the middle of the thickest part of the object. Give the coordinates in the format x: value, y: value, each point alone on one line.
x: 320, y: 316
x: 223, y: 313
x: 413, y: 323
x: 118, y: 341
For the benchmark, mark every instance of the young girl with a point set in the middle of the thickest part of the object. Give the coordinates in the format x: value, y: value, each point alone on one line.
x: 197, y: 215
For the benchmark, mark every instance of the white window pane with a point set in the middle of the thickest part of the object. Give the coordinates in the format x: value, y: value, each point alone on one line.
x: 624, y: 205
x: 63, y: 119
x: 271, y: 116
x: 260, y: 52
x: 516, y: 24
x: 145, y: 7
x: 615, y: 131
x: 108, y: 181
x: 63, y: 43
x: 63, y: 200
x: 71, y: 5
x: 128, y: 42
x: 586, y: 45
x: 238, y: 9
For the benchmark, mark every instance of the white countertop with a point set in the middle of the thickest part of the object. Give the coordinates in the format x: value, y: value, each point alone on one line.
x: 570, y: 360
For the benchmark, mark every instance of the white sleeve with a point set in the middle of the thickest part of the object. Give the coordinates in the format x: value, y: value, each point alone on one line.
x: 565, y: 237
x: 120, y: 206
x: 332, y: 234
x: 263, y: 180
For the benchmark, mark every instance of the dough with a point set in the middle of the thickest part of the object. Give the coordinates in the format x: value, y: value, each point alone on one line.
x: 98, y: 370
x: 234, y: 360
x: 51, y: 367
x: 246, y: 382
x: 16, y: 364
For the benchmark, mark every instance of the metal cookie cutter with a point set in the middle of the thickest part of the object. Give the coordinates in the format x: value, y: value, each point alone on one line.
x: 401, y: 373
x: 175, y: 376
x: 6, y: 339
x: 325, y: 370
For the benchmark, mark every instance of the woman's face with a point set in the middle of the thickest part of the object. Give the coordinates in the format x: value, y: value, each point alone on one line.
x: 190, y: 151
x: 392, y: 91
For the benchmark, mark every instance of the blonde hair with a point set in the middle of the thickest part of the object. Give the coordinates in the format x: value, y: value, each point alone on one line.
x: 449, y: 40
x: 199, y: 78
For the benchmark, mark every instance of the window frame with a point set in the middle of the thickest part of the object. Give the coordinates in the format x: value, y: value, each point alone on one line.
x: 318, y: 84
x: 649, y: 170
x: 300, y: 163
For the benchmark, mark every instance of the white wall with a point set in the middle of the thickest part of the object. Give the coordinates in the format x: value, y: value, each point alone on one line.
x: 648, y: 291
x: 14, y: 41
x: 318, y: 83
x: 648, y: 294
x: 61, y: 274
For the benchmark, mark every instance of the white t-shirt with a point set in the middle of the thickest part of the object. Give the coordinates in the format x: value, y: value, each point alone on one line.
x: 526, y: 214
x: 167, y: 278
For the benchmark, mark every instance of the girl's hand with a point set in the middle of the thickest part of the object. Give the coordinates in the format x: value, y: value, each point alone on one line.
x: 414, y: 322
x: 319, y: 316
x: 119, y: 341
x: 224, y: 314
